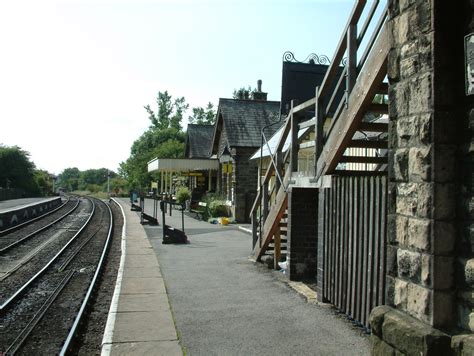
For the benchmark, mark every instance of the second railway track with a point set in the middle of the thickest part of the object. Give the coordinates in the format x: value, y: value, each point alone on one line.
x: 56, y: 292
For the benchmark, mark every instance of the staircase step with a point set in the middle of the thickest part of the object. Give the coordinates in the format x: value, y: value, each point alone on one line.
x: 361, y: 159
x: 368, y: 144
x: 378, y: 108
x: 373, y: 127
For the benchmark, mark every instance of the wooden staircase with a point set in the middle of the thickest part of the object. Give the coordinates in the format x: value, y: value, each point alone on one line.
x: 354, y: 135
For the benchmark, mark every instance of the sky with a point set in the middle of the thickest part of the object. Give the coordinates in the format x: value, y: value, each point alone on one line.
x: 75, y: 75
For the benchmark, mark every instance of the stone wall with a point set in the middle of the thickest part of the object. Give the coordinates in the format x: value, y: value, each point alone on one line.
x: 302, y: 237
x: 245, y: 175
x: 430, y: 158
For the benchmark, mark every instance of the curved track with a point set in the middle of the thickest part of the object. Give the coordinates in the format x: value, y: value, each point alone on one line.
x: 61, y: 289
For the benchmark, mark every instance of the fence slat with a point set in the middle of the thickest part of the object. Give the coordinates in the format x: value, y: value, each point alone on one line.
x: 354, y: 215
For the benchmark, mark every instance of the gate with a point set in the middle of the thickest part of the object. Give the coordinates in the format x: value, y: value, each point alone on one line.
x: 352, y: 236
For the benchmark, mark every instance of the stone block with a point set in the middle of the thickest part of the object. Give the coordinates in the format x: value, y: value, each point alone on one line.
x: 401, y: 294
x: 444, y: 238
x: 424, y: 124
x: 420, y: 99
x: 409, y: 264
x: 463, y: 344
x: 398, y: 95
x: 406, y: 130
x: 414, y: 199
x: 419, y: 233
x: 443, y: 310
x: 418, y: 302
x: 444, y: 201
x: 390, y: 290
x: 419, y: 164
x: 377, y: 317
x: 426, y: 269
x: 463, y: 316
x: 437, y: 271
x: 469, y: 272
x: 393, y: 69
x: 402, y: 230
x: 412, y: 337
x: 443, y: 272
x: 400, y: 164
x: 392, y: 268
x: 380, y: 348
x: 445, y: 159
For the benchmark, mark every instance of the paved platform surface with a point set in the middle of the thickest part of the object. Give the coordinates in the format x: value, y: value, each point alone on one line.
x: 17, y: 203
x: 140, y: 321
x: 224, y: 304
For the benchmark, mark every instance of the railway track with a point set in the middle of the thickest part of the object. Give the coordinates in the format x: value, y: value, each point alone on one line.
x: 61, y: 291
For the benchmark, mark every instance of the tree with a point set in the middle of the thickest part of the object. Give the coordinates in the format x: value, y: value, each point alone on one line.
x: 69, y: 179
x: 242, y: 93
x: 44, y: 182
x: 170, y: 114
x: 203, y: 116
x: 168, y: 143
x: 16, y: 170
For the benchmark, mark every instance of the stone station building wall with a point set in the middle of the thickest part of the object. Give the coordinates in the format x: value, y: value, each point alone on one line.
x: 431, y: 231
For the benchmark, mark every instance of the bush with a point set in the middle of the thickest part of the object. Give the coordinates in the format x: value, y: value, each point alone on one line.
x: 182, y: 195
x: 217, y: 208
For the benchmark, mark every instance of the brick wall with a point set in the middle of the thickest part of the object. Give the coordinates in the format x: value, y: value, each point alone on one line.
x: 302, y: 238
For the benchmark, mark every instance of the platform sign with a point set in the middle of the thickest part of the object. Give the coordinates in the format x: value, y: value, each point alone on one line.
x: 469, y: 63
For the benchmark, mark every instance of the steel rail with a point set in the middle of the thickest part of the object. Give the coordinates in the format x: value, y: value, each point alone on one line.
x: 13, y: 244
x: 16, y: 227
x: 23, y: 335
x: 51, y: 261
x: 72, y: 333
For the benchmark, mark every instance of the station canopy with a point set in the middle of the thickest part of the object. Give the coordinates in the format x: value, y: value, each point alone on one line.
x: 182, y: 164
x: 273, y: 142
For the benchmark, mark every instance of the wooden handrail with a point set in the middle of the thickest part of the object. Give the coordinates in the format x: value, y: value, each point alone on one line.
x: 341, y: 47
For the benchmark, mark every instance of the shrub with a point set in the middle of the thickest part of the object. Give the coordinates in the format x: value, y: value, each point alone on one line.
x: 217, y: 208
x: 182, y: 195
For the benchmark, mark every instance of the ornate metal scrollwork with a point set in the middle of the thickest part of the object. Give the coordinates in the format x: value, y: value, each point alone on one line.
x: 312, y: 58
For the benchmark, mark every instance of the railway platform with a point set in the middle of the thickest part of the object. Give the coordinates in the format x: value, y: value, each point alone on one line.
x: 18, y: 211
x: 140, y: 321
x: 214, y: 297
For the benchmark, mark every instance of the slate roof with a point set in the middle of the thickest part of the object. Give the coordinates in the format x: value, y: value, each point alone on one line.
x: 198, y: 141
x: 244, y: 119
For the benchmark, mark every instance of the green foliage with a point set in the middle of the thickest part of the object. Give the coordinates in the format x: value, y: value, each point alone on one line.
x: 170, y: 113
x: 242, y: 93
x: 217, y: 208
x: 183, y: 194
x: 203, y: 116
x: 167, y: 143
x: 44, y: 182
x: 16, y: 170
x: 68, y: 179
x: 92, y: 180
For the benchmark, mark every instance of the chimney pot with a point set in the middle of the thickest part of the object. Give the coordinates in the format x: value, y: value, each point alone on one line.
x: 259, y: 85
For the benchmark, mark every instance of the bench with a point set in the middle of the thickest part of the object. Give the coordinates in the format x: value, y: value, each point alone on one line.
x: 201, y: 209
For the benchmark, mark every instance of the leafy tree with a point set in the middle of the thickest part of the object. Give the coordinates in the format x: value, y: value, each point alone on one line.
x: 170, y: 113
x: 44, y: 182
x: 167, y: 143
x: 203, y: 116
x: 242, y: 93
x: 16, y: 170
x: 69, y: 179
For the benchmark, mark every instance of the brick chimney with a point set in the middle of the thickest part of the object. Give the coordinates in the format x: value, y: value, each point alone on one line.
x: 259, y: 95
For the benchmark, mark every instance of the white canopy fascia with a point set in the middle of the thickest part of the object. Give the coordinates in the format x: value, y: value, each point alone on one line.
x: 182, y: 164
